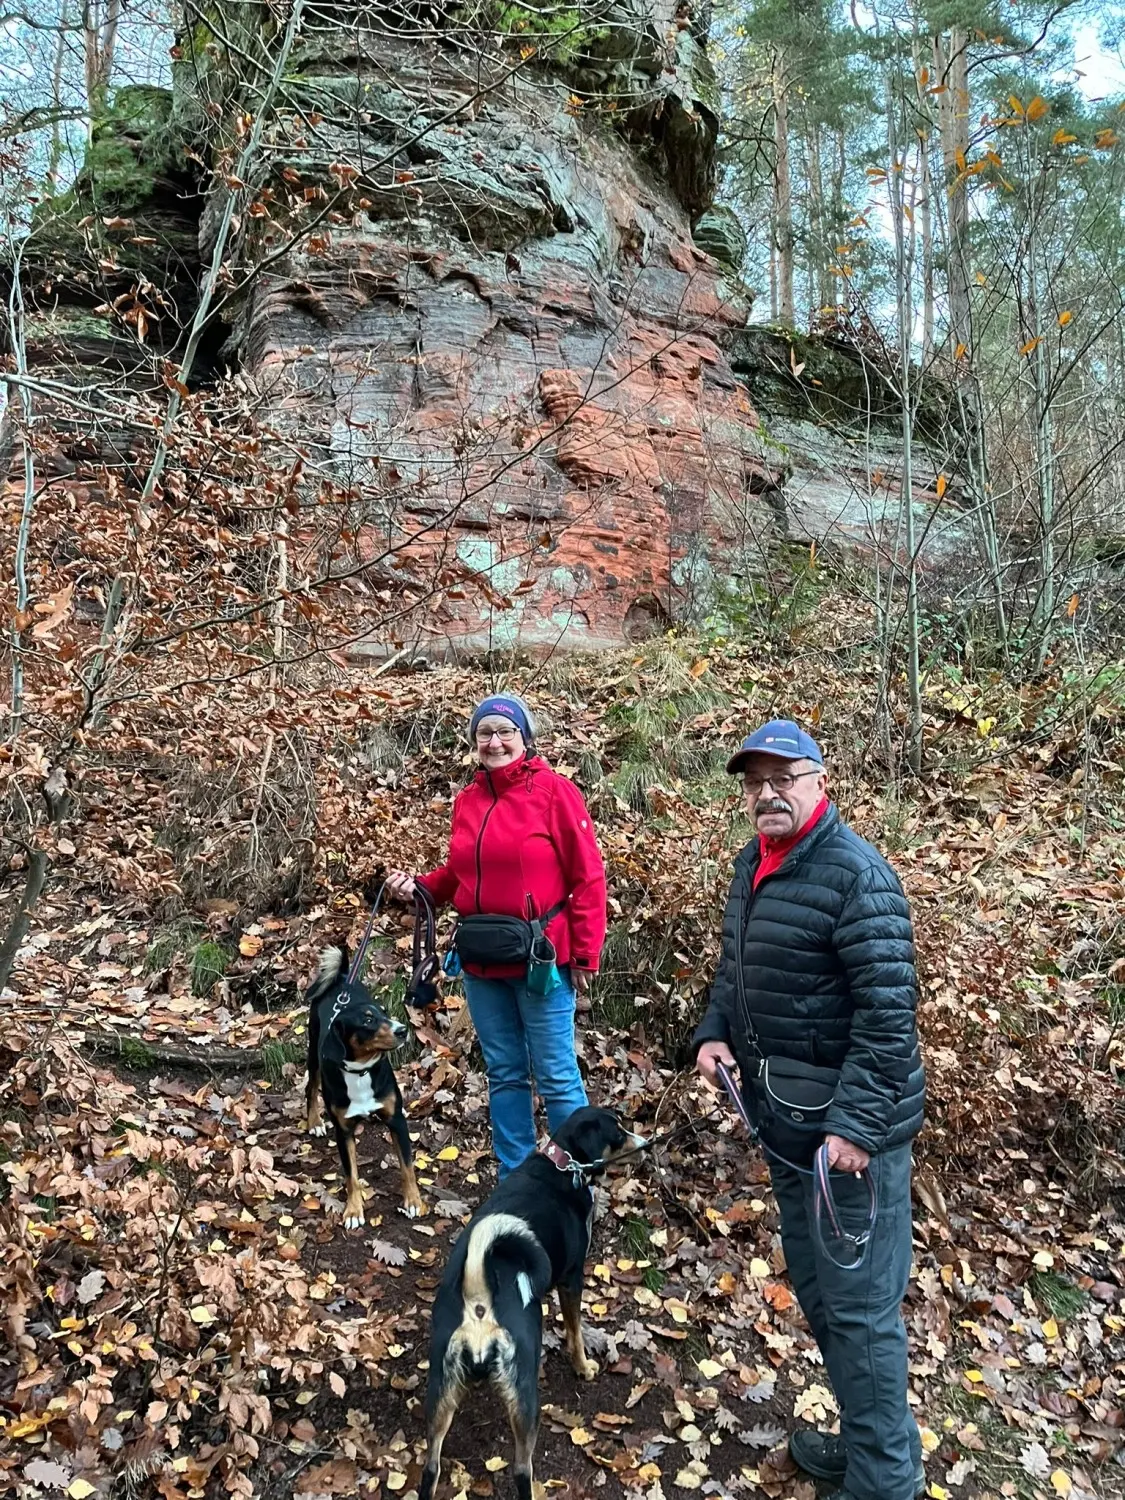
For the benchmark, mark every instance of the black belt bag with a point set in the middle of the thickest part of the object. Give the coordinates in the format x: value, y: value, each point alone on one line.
x: 487, y: 939
x: 792, y: 1100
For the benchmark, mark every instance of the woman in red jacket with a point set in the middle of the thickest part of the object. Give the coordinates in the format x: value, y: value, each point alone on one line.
x: 523, y: 845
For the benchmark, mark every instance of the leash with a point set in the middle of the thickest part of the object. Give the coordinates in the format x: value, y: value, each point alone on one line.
x: 824, y: 1202
x: 421, y: 992
x: 357, y: 961
x: 583, y: 1171
x: 424, y: 961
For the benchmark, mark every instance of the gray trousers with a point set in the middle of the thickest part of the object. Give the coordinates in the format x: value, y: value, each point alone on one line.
x: 856, y: 1317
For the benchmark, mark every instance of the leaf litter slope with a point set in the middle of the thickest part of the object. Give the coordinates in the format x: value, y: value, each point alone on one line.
x: 184, y: 1308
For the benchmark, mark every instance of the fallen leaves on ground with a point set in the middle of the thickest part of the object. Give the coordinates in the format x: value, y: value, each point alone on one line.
x: 183, y: 1303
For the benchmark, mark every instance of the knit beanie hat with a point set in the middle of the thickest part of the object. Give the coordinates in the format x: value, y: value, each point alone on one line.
x: 508, y: 706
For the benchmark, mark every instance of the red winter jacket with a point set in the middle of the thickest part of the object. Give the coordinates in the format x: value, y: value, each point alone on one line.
x: 523, y: 831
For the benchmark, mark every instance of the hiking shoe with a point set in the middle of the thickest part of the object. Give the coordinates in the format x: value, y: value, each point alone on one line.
x: 819, y: 1454
x: 824, y: 1456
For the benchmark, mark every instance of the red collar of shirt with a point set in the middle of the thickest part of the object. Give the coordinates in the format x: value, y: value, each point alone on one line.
x: 775, y: 850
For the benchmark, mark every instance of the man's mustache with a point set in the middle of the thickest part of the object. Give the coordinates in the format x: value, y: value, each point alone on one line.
x: 774, y: 805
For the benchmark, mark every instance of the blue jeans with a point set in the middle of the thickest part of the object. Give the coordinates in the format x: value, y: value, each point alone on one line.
x: 856, y: 1318
x: 522, y: 1034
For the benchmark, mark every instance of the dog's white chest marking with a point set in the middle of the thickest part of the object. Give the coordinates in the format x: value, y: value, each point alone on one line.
x: 361, y: 1096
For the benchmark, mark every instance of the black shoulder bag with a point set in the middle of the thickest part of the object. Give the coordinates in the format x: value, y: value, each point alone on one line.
x: 791, y: 1098
x: 486, y: 939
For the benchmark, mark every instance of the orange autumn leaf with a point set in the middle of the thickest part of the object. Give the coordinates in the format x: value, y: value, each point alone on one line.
x: 1072, y: 607
x: 1065, y: 318
x: 1063, y: 138
x: 1030, y: 346
x: 779, y: 1297
x: 942, y: 485
x: 1037, y: 108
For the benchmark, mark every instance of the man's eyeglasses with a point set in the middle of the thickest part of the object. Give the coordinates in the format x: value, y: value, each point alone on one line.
x: 781, y: 781
x: 505, y: 736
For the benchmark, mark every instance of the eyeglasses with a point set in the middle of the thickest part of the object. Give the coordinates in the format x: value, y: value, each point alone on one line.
x: 781, y: 781
x: 505, y: 736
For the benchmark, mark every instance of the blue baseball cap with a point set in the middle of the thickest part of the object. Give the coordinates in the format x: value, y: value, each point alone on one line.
x: 780, y: 737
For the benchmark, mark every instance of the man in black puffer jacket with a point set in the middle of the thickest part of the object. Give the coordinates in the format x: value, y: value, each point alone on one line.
x: 828, y: 979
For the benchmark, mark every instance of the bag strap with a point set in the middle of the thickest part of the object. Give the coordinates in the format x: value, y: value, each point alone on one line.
x: 539, y: 925
x: 740, y: 918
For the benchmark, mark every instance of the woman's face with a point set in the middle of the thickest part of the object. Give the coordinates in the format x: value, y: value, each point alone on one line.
x: 499, y: 742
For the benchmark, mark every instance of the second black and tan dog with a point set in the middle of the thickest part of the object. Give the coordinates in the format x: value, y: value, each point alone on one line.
x: 531, y: 1235
x: 350, y: 1042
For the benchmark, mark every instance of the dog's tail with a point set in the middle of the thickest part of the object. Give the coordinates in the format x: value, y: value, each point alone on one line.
x: 330, y: 970
x: 502, y: 1258
x: 506, y: 1237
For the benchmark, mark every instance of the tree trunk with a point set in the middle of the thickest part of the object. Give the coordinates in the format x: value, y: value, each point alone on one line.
x: 951, y: 62
x: 37, y: 866
x: 56, y: 795
x: 1043, y: 435
x: 783, y: 195
x: 99, y: 35
x: 820, y: 251
x: 904, y: 306
x: 839, y: 289
x: 951, y: 68
x: 54, y: 156
x: 926, y: 215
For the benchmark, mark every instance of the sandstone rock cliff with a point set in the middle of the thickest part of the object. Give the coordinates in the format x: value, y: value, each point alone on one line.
x: 472, y: 294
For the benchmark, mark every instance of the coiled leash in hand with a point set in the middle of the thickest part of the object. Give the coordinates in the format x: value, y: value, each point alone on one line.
x: 421, y: 992
x: 422, y: 989
x: 824, y: 1203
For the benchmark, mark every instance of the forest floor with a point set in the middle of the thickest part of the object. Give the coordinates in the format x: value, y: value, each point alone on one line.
x: 187, y: 1314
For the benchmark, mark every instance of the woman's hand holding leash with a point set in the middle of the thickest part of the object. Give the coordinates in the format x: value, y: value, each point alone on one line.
x: 401, y: 885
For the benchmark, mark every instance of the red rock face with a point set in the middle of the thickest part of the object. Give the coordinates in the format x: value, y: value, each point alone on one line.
x: 539, y: 411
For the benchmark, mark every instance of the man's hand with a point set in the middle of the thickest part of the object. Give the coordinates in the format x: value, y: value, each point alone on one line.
x: 582, y: 978
x: 844, y: 1156
x: 710, y: 1054
x: 401, y: 885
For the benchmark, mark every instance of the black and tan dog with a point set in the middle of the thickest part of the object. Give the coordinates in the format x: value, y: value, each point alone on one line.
x: 350, y: 1042
x: 531, y: 1235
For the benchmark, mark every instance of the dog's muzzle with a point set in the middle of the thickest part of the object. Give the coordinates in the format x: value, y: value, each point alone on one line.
x: 399, y: 1031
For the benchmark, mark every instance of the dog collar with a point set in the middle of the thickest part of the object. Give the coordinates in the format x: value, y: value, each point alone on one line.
x: 564, y: 1162
x: 358, y: 1067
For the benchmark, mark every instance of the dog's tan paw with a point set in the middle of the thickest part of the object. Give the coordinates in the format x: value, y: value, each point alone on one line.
x: 320, y: 1128
x: 586, y: 1370
x: 354, y: 1219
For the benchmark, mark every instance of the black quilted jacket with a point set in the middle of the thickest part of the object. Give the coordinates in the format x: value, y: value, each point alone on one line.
x: 828, y: 957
